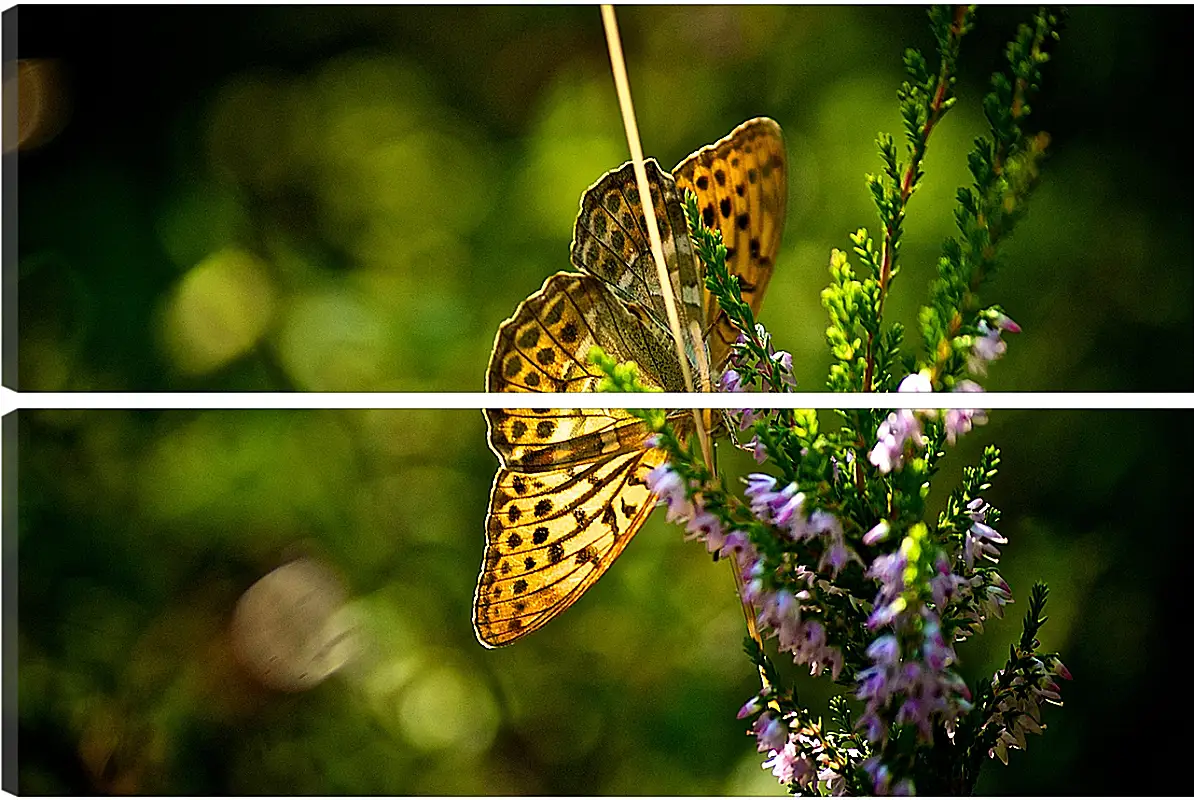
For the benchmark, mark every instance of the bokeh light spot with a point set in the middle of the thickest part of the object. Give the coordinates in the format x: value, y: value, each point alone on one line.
x: 218, y: 311
x: 289, y: 630
x: 445, y: 709
x: 333, y: 341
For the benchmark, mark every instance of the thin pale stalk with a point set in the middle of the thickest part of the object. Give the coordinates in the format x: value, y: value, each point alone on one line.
x: 622, y: 83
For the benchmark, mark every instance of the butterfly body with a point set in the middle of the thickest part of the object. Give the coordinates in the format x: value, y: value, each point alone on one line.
x: 570, y: 491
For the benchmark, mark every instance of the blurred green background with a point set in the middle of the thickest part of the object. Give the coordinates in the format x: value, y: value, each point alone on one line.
x: 324, y: 198
x: 353, y: 199
x: 139, y: 533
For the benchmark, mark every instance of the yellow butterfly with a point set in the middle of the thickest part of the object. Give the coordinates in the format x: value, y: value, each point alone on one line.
x: 570, y: 492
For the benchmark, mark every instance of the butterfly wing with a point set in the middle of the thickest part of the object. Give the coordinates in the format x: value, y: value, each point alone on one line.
x: 551, y: 534
x: 569, y: 494
x: 741, y: 185
x: 610, y: 243
x: 544, y: 347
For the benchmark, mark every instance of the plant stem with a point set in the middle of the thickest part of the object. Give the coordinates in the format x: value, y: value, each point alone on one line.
x: 908, y: 185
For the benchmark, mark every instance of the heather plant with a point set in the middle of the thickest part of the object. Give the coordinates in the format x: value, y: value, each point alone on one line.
x: 841, y: 565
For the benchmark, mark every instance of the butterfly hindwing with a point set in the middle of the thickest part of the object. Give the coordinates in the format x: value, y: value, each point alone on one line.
x: 741, y: 185
x: 550, y: 535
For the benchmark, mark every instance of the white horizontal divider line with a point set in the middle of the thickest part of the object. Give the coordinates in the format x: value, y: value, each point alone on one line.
x: 11, y: 400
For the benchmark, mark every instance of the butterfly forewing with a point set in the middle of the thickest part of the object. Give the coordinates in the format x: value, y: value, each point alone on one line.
x: 535, y: 439
x: 610, y: 242
x: 544, y: 347
x: 569, y: 494
x: 741, y: 185
x: 550, y: 535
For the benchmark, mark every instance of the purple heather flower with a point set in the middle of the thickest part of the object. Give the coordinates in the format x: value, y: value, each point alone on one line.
x: 900, y: 427
x: 938, y: 654
x: 779, y: 608
x: 703, y: 524
x: 753, y: 706
x: 808, y: 642
x: 945, y: 585
x: 782, y: 764
x: 884, y: 614
x: 877, y: 534
x: 981, y: 540
x: 706, y: 527
x: 885, y: 650
x: 988, y: 346
x: 790, y: 765
x: 834, y: 781
x: 822, y: 523
x: 837, y: 553
x: 990, y: 594
x: 738, y: 545
x: 758, y: 483
x: 915, y: 382
x: 771, y: 732
x: 780, y: 508
x: 783, y: 360
x: 778, y: 362
x: 929, y: 695
x: 791, y: 633
x: 667, y: 483
x: 959, y: 421
x: 879, y: 774
x: 754, y: 590
x: 872, y: 727
x: 784, y: 507
x: 758, y: 449
x: 731, y: 381
x: 888, y: 569
x: 874, y: 684
x: 832, y: 659
x: 779, y: 613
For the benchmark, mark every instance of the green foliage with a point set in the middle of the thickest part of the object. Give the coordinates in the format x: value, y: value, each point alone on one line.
x: 885, y: 592
x: 718, y: 280
x: 1005, y: 169
x: 757, y: 367
x: 976, y: 480
x: 924, y: 101
x: 619, y: 377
